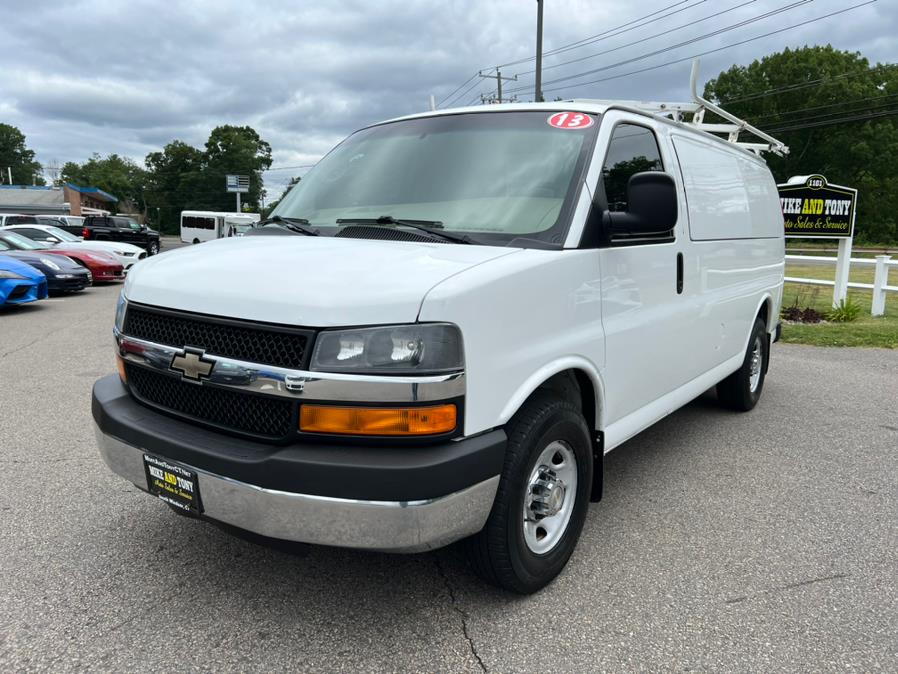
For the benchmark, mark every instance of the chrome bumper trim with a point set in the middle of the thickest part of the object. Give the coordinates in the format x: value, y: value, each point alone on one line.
x: 390, y: 526
x: 268, y: 379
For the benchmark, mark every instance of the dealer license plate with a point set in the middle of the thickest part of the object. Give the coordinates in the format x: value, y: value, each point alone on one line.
x: 174, y: 484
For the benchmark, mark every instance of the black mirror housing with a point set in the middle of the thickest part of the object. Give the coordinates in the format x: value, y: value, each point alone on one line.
x: 652, y: 206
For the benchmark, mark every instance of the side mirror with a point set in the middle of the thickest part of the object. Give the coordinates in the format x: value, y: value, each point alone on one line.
x: 652, y: 206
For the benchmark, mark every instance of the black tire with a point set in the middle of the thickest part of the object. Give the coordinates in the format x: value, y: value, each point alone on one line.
x: 153, y: 248
x: 499, y: 553
x: 736, y: 391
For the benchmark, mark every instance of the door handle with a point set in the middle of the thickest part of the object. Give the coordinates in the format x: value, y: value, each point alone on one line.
x: 679, y: 273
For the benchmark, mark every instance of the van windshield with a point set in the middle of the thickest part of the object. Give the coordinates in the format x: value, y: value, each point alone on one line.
x: 493, y: 176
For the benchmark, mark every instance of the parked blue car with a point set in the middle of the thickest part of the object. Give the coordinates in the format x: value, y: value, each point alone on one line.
x: 20, y: 283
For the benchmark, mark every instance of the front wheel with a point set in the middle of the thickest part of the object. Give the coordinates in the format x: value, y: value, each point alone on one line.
x: 742, y: 389
x: 153, y: 248
x: 542, y: 498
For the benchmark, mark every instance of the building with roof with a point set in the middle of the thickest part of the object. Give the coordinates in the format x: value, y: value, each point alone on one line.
x: 88, y: 200
x: 70, y: 199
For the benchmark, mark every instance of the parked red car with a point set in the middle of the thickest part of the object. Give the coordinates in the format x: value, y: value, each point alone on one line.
x: 102, y: 266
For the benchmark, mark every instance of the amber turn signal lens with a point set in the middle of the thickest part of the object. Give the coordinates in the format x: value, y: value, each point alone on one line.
x: 120, y: 366
x: 377, y: 420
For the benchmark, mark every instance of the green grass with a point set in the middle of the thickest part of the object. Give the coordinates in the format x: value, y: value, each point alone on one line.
x: 865, y: 331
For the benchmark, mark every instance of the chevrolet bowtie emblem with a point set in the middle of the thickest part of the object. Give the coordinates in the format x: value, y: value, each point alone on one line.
x: 191, y: 364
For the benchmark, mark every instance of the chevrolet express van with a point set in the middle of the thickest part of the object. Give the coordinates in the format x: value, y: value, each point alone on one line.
x: 466, y: 310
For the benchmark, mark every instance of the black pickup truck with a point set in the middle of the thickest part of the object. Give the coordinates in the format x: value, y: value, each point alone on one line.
x: 120, y: 228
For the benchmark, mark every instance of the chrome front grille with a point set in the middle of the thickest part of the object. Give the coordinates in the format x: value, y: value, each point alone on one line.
x: 254, y: 414
x: 240, y: 340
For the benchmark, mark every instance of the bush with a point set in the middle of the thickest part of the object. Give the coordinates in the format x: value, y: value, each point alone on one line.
x: 847, y: 311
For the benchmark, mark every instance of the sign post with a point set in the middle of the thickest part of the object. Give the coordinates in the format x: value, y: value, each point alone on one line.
x: 238, y: 185
x: 816, y: 209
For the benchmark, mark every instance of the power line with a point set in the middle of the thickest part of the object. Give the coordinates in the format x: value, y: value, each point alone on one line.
x: 843, y: 120
x: 828, y: 116
x: 770, y: 115
x: 791, y: 87
x: 605, y: 34
x: 718, y: 49
x: 645, y: 39
x: 465, y: 92
x: 455, y: 96
x: 719, y: 31
x: 458, y: 88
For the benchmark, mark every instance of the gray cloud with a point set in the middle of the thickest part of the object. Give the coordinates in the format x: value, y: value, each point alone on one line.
x: 105, y: 76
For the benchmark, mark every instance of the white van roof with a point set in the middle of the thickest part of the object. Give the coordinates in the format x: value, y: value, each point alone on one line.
x: 670, y: 112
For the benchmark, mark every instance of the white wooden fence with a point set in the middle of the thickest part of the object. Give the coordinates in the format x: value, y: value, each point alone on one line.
x: 880, y: 285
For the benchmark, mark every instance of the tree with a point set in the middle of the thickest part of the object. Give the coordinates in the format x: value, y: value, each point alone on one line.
x: 120, y: 176
x: 803, y: 97
x: 15, y: 155
x: 234, y: 150
x: 183, y: 177
x: 174, y: 183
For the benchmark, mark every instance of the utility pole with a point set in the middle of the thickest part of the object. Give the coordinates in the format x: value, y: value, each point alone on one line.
x: 498, y: 77
x: 538, y: 88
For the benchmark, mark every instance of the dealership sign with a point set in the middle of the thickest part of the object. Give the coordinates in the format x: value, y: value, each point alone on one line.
x: 815, y: 209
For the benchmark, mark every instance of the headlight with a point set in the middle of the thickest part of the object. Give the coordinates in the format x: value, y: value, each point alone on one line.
x: 50, y: 263
x: 120, y: 312
x: 12, y: 275
x: 426, y: 348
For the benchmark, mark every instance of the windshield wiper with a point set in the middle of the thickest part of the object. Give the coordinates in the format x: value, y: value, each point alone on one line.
x: 299, y: 225
x: 434, y: 227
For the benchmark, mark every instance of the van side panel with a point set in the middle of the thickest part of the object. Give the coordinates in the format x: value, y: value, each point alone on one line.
x: 735, y: 256
x: 731, y: 196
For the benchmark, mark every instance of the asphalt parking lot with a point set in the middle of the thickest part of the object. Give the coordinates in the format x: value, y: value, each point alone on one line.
x: 761, y: 542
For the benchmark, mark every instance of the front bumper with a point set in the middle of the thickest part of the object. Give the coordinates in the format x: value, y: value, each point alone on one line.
x: 408, y: 499
x: 14, y: 291
x: 77, y: 281
x: 108, y: 274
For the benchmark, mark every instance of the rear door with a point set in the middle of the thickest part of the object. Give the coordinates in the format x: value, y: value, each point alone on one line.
x: 648, y: 333
x: 123, y: 230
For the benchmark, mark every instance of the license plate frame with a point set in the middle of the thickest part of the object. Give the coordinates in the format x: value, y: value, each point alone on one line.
x: 173, y: 483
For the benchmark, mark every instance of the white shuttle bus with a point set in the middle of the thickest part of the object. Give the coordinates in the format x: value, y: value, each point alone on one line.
x: 451, y: 320
x: 199, y: 226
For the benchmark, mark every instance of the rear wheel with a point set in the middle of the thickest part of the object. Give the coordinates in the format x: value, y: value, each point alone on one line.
x: 542, y: 498
x: 742, y: 389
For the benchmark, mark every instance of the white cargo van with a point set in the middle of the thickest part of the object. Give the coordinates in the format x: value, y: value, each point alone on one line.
x: 199, y: 226
x: 466, y: 310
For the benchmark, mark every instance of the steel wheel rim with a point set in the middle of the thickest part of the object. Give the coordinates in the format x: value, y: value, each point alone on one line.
x: 755, y: 364
x: 549, y: 497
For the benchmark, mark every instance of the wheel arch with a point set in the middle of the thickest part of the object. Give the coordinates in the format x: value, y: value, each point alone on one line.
x: 765, y: 311
x: 577, y: 380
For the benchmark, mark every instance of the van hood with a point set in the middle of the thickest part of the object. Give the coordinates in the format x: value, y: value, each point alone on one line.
x: 305, y: 281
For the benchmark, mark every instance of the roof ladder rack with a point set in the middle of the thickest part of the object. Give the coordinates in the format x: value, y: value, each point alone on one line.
x: 735, y: 126
x: 732, y: 128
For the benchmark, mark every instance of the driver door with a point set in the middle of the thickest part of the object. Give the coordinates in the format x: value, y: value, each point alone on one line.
x: 648, y: 336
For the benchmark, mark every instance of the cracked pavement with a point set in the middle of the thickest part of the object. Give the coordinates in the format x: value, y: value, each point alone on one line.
x: 758, y: 542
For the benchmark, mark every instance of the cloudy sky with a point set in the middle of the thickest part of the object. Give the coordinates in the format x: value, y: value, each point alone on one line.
x: 109, y: 76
